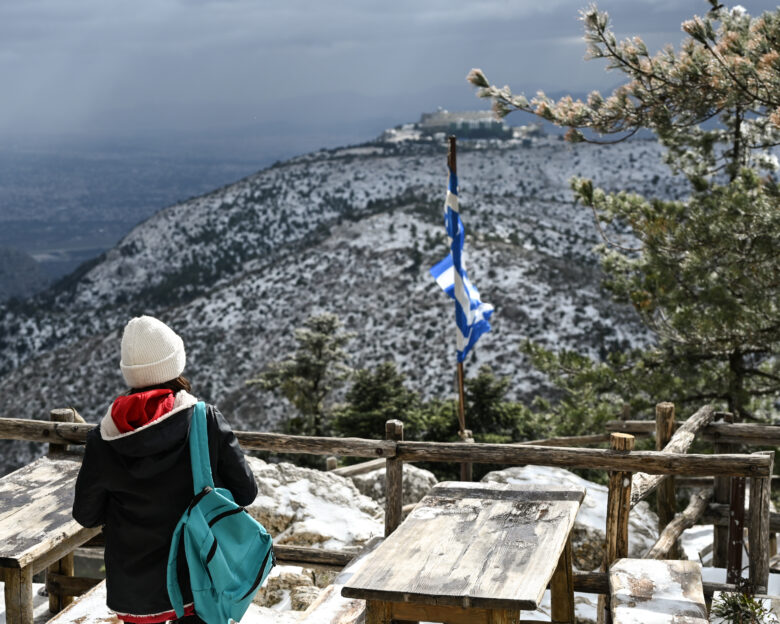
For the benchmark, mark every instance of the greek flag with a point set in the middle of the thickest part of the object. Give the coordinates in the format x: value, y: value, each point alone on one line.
x: 471, y: 315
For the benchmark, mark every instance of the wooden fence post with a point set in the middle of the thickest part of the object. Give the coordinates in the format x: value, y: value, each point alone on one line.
x: 394, y: 475
x: 721, y: 495
x: 736, y: 530
x: 666, y: 500
x: 467, y: 469
x: 758, y: 536
x: 331, y: 463
x: 618, y: 509
x: 69, y: 415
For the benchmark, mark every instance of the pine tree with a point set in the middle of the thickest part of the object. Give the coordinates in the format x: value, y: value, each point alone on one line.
x: 703, y: 272
x: 307, y: 377
x: 376, y: 396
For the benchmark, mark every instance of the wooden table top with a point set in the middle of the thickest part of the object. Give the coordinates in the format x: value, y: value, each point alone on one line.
x: 484, y: 545
x: 35, y: 510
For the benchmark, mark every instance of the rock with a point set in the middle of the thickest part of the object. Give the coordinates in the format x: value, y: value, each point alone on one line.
x: 417, y: 483
x: 309, y: 507
x: 589, y: 528
x: 301, y: 597
x: 280, y: 585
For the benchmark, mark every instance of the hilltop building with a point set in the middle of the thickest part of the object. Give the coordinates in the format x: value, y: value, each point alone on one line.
x: 466, y: 124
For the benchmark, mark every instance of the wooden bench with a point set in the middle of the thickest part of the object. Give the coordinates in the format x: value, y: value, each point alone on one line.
x: 331, y: 607
x: 473, y: 553
x: 661, y: 592
x: 37, y: 530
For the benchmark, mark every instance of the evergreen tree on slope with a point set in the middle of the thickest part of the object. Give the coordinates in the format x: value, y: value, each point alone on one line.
x: 703, y: 273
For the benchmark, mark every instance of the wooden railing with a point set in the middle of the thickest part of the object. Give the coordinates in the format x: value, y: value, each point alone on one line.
x: 648, y: 471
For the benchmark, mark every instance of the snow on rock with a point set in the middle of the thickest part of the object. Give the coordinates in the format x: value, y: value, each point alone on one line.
x: 416, y: 484
x: 648, y: 591
x: 589, y: 527
x: 309, y: 507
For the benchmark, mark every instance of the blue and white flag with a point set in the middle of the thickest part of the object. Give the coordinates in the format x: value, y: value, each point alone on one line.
x: 471, y: 315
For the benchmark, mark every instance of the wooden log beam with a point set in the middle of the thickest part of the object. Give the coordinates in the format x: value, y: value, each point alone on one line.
x: 722, y: 494
x: 707, y: 482
x: 361, y: 468
x: 618, y: 509
x: 282, y: 443
x: 63, y: 585
x: 644, y: 483
x: 666, y: 500
x: 736, y: 530
x: 758, y: 533
x: 598, y: 583
x: 684, y: 520
x: 394, y: 480
x: 651, y: 462
x: 301, y: 555
x: 43, y: 431
x: 727, y: 433
x: 567, y: 441
x: 718, y: 514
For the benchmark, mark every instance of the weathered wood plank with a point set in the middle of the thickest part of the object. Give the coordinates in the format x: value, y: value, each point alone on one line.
x: 67, y: 585
x: 562, y: 588
x: 301, y: 555
x: 666, y: 501
x: 598, y: 583
x: 723, y: 432
x: 618, y: 509
x: 760, y: 501
x: 394, y: 479
x: 644, y: 483
x: 670, y: 590
x: 721, y: 494
x: 63, y: 568
x: 489, y: 546
x: 736, y: 530
x: 684, y: 520
x: 361, y: 468
x: 35, y: 514
x: 282, y: 443
x: 18, y: 595
x: 651, y: 462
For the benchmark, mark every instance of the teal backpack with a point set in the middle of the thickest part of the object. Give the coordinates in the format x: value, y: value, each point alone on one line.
x: 229, y: 553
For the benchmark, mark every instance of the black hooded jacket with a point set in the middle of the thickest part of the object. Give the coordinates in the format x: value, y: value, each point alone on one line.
x: 137, y: 485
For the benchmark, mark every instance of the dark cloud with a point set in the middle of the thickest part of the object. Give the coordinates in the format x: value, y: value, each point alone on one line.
x: 156, y: 66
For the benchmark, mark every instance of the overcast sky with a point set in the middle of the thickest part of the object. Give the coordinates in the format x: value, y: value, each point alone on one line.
x: 166, y: 68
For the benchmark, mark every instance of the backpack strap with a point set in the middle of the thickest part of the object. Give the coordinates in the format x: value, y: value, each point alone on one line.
x: 172, y: 580
x: 199, y: 449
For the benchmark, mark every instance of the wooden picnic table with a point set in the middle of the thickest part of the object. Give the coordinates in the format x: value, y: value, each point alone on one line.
x: 37, y: 529
x: 473, y: 553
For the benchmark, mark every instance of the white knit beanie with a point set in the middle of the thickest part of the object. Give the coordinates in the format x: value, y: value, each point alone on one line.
x: 152, y: 353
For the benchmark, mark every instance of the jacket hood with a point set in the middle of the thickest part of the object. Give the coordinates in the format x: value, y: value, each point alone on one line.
x: 155, y: 439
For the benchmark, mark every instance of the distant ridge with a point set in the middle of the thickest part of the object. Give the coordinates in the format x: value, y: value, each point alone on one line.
x: 351, y: 231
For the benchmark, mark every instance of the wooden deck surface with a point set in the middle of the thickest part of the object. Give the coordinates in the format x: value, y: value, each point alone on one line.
x: 35, y: 513
x: 481, y: 545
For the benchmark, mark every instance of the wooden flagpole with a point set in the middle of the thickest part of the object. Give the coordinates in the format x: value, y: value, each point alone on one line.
x: 465, y: 435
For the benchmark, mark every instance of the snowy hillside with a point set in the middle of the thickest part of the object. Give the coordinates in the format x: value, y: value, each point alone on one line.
x: 351, y: 231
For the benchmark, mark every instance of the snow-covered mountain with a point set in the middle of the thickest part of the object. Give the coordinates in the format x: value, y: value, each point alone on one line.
x: 351, y: 231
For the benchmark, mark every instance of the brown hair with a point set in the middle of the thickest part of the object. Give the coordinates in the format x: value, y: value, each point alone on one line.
x: 174, y: 385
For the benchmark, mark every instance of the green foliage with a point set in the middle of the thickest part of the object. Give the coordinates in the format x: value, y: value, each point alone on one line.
x: 741, y: 608
x: 379, y: 394
x: 703, y: 273
x: 307, y: 377
x: 376, y: 396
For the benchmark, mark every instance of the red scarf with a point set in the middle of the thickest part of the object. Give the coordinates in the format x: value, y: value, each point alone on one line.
x: 136, y: 410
